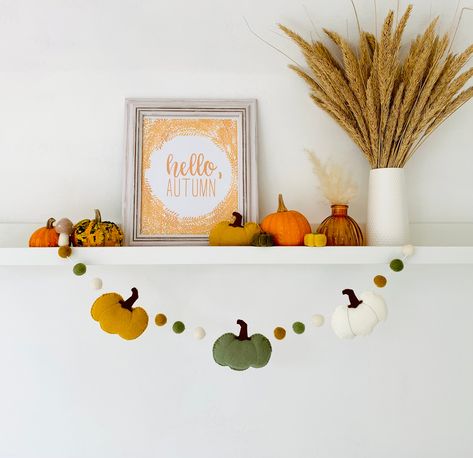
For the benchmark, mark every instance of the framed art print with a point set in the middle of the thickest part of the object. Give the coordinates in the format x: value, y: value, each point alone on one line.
x: 189, y: 165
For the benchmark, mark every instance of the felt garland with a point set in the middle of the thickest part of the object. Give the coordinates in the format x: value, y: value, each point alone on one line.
x: 118, y: 316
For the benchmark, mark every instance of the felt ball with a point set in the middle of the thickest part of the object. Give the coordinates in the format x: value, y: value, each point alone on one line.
x: 298, y: 327
x: 396, y: 265
x: 96, y: 283
x: 63, y: 240
x: 318, y: 320
x: 279, y: 333
x: 408, y: 250
x: 64, y: 251
x: 79, y: 269
x: 160, y: 319
x: 199, y: 333
x: 178, y: 327
x: 380, y: 281
x: 63, y: 226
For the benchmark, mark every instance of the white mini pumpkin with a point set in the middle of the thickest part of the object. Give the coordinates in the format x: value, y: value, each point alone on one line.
x: 359, y: 317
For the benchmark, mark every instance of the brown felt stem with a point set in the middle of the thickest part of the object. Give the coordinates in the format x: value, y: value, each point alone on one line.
x: 238, y: 220
x: 49, y: 224
x: 128, y: 304
x: 243, y: 330
x: 354, y: 301
x: 98, y: 216
x: 281, y: 206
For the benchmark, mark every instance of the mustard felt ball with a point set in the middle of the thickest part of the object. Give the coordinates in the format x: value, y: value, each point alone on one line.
x: 380, y: 281
x: 298, y: 327
x: 279, y: 333
x: 199, y: 333
x: 178, y: 327
x: 64, y: 251
x: 396, y: 265
x: 318, y: 320
x: 79, y: 269
x: 160, y: 319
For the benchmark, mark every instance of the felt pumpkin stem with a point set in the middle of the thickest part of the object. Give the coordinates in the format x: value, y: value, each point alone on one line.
x: 281, y: 206
x: 98, y: 216
x: 354, y: 301
x: 49, y: 224
x: 243, y: 330
x: 128, y: 304
x: 238, y: 220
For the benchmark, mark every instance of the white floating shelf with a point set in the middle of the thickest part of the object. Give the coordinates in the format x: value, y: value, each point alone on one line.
x: 134, y: 256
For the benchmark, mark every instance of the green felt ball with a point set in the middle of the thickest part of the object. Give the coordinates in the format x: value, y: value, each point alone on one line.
x: 298, y: 327
x: 178, y: 327
x: 397, y: 265
x: 79, y: 269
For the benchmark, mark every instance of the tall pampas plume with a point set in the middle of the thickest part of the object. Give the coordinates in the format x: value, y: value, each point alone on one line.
x: 335, y: 182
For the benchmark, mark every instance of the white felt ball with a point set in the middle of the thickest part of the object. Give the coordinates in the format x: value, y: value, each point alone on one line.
x: 96, y: 283
x: 63, y: 240
x: 408, y: 250
x: 199, y: 333
x: 318, y: 320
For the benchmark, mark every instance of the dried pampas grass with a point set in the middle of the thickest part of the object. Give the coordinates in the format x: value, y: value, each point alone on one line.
x: 387, y: 104
x: 335, y: 182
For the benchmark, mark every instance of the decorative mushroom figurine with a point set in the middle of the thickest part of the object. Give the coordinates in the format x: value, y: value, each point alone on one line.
x: 64, y: 228
x: 359, y: 317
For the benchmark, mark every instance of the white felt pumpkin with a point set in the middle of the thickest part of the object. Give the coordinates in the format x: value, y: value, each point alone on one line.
x: 359, y: 317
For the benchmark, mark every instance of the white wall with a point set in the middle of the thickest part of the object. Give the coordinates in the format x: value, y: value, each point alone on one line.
x: 66, y: 67
x: 69, y: 390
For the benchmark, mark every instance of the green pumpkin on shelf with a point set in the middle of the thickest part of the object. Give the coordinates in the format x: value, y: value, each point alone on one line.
x: 95, y: 232
x: 242, y: 352
x: 263, y: 240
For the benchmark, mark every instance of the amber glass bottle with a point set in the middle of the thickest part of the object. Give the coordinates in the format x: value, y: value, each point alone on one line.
x: 341, y: 229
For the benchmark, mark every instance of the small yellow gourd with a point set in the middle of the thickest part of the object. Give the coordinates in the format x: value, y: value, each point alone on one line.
x: 227, y: 233
x: 317, y: 240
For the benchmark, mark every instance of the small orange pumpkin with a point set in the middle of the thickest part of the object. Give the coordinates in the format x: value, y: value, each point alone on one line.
x: 45, y: 236
x: 287, y: 227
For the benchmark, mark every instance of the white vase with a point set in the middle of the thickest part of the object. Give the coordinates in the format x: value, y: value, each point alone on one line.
x: 388, y: 219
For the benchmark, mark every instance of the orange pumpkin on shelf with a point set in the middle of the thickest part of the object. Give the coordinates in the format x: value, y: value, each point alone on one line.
x: 45, y: 236
x: 287, y: 227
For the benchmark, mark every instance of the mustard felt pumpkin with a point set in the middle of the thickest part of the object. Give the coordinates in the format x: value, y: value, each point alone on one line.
x: 228, y: 233
x: 95, y: 232
x: 117, y: 316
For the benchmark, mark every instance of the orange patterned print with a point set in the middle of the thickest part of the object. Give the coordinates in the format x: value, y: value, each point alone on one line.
x: 195, y: 175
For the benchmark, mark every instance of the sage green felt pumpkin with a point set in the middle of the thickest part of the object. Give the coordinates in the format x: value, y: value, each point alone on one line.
x: 263, y: 239
x: 241, y: 352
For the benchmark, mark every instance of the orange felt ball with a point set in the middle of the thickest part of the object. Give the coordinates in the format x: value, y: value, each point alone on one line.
x: 279, y: 333
x: 64, y: 251
x: 380, y: 281
x: 160, y: 319
x: 288, y: 227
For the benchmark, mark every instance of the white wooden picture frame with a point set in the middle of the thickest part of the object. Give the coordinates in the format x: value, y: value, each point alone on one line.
x: 189, y: 164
